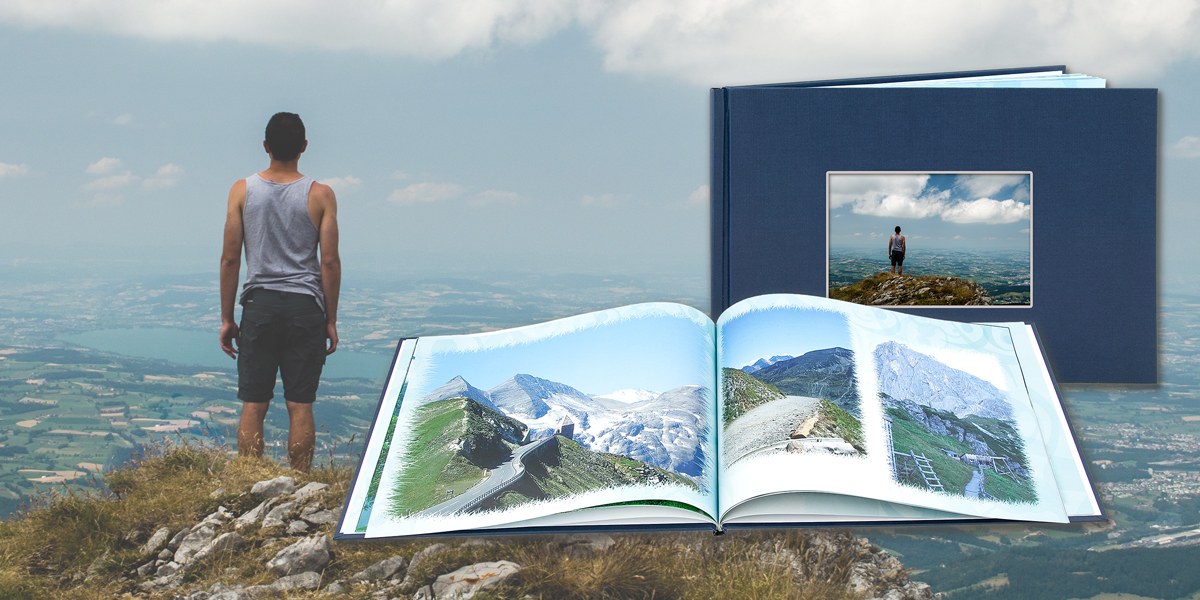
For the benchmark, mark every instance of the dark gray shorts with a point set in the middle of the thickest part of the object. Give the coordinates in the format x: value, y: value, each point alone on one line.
x: 281, y: 332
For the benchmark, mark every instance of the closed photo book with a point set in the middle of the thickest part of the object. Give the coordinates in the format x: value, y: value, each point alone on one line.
x: 788, y: 410
x: 1012, y: 195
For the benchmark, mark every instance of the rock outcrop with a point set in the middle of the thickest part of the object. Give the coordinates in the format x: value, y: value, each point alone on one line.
x: 237, y: 552
x: 886, y: 289
x: 464, y: 583
x: 286, y: 511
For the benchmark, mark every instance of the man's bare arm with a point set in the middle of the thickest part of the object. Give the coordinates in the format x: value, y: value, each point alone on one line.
x: 231, y: 266
x: 331, y: 262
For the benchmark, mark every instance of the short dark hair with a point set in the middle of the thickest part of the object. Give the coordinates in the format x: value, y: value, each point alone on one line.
x: 897, y: 229
x: 285, y: 136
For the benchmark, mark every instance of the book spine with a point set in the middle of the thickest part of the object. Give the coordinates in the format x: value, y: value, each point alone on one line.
x: 719, y: 202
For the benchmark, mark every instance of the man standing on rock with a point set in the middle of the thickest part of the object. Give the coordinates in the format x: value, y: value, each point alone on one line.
x: 896, y: 248
x: 289, y: 300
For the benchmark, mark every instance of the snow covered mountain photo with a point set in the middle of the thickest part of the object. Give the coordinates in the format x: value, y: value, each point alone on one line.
x: 910, y: 375
x: 763, y: 363
x: 630, y: 396
x: 951, y: 431
x: 663, y: 429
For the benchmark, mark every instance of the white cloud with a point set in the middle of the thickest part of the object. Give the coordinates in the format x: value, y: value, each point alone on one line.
x: 103, y: 166
x: 844, y: 189
x: 712, y: 42
x: 341, y: 184
x: 726, y: 42
x: 166, y: 176
x: 426, y: 192
x: 493, y: 197
x: 986, y: 210
x: 698, y: 199
x: 420, y: 28
x: 907, y: 197
x: 1021, y: 193
x: 1188, y: 146
x: 112, y: 182
x: 124, y: 119
x: 401, y: 174
x: 902, y: 206
x: 7, y: 170
x: 986, y: 186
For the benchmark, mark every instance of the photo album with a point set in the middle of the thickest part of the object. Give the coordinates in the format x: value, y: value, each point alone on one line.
x: 901, y: 268
x: 787, y: 410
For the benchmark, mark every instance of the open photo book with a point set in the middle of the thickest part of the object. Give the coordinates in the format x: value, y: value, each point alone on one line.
x: 789, y: 410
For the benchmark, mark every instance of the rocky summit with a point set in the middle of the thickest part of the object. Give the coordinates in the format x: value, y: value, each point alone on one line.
x: 888, y: 289
x: 194, y: 524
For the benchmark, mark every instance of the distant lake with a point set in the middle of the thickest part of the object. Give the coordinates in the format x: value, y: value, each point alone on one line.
x: 191, y: 347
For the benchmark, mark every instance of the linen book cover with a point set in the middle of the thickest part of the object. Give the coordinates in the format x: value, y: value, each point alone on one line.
x: 1039, y: 187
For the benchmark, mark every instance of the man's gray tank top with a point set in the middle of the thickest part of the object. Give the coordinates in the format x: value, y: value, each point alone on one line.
x: 280, y: 238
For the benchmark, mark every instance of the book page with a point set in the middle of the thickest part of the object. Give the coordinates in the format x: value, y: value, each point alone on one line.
x: 1074, y: 484
x: 506, y: 428
x: 359, y: 501
x: 826, y: 396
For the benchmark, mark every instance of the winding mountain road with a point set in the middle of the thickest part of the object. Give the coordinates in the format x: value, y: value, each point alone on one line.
x: 499, y: 479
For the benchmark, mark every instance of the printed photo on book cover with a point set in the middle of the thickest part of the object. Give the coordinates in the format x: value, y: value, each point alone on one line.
x: 930, y: 239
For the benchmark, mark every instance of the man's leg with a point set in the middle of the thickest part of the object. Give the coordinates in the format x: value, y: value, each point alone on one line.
x: 250, y: 428
x: 300, y: 370
x: 258, y: 362
x: 302, y: 435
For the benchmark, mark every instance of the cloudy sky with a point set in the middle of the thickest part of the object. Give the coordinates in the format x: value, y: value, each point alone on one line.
x: 540, y: 135
x: 963, y: 211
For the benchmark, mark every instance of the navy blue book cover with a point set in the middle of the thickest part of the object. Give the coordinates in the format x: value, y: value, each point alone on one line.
x: 1091, y: 155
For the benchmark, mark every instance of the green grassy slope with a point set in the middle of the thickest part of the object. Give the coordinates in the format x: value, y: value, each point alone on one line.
x: 743, y: 393
x: 909, y: 435
x: 454, y: 441
x: 835, y: 422
x: 1000, y: 436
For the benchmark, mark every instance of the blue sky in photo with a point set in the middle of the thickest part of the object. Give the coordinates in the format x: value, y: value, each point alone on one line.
x: 781, y: 332
x: 951, y: 211
x: 653, y: 353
